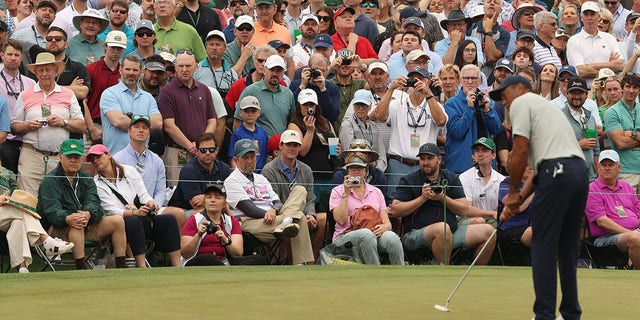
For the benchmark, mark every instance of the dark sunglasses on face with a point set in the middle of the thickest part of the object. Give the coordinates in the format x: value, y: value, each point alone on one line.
x: 244, y: 28
x: 181, y: 51
x: 359, y: 146
x: 563, y: 78
x: 324, y: 18
x: 145, y: 33
x: 204, y: 150
x: 56, y: 38
x: 368, y: 4
x: 120, y: 11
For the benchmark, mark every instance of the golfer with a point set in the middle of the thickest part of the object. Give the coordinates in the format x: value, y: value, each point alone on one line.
x: 544, y: 138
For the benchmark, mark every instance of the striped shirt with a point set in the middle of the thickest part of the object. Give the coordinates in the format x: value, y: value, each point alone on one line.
x: 545, y: 54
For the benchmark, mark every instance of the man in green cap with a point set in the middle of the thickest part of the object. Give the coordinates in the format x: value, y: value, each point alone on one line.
x: 68, y: 202
x: 481, y: 184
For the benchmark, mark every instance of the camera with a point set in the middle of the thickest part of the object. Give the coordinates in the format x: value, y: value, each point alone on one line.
x: 310, y: 112
x: 436, y: 186
x: 346, y: 62
x: 315, y: 73
x: 353, y: 180
x: 153, y: 210
x: 411, y: 82
x: 436, y: 90
x: 479, y: 99
x: 43, y: 121
x: 212, y: 228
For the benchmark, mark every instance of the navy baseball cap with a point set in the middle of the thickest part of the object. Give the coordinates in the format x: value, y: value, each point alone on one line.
x: 510, y: 80
x: 576, y: 83
x: 504, y: 63
x: 419, y: 70
x: 322, y: 40
x: 278, y: 43
x: 413, y: 20
x: 429, y: 148
x: 570, y: 69
x: 243, y: 147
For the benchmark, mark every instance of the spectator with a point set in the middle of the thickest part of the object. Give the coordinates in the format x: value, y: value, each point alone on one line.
x: 612, y: 209
x: 419, y: 201
x: 345, y: 36
x: 579, y: 49
x: 71, y: 206
x: 261, y: 211
x: 200, y: 17
x: 282, y: 48
x: 412, y: 39
x: 14, y: 84
x: 517, y: 228
x: 605, y: 24
x: 122, y: 193
x: 286, y: 171
x: 343, y: 65
x: 546, y: 26
x: 277, y: 100
x: 522, y: 20
x: 619, y: 17
x: 631, y: 43
x: 237, y: 8
x: 293, y: 16
x: 266, y: 28
x: 346, y: 200
x: 220, y: 245
x: 174, y: 35
x: 326, y: 23
x: 570, y: 20
x: 87, y: 47
x: 182, y: 123
x: 619, y: 120
x: 45, y: 13
x: 302, y: 50
x: 364, y: 26
x: 259, y: 57
x: 323, y: 44
x: 469, y: 119
x: 64, y: 18
x: 144, y: 39
x: 148, y: 164
x: 449, y: 76
x: 213, y: 70
x: 120, y: 102
x: 467, y: 53
x: 153, y: 75
x: 547, y: 84
x: 328, y: 93
x: 248, y: 129
x: 456, y: 25
x: 493, y: 37
x: 430, y: 22
x: 44, y: 115
x: 196, y: 175
x: 238, y: 52
x: 118, y: 14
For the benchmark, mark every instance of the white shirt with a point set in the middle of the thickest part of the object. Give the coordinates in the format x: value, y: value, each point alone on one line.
x: 240, y: 188
x: 584, y: 48
x: 128, y: 187
x: 481, y: 195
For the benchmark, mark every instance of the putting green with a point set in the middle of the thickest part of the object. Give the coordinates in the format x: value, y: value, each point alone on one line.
x: 313, y: 292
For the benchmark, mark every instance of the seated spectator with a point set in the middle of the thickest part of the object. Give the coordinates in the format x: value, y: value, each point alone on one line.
x: 547, y: 84
x: 420, y: 199
x: 213, y: 237
x: 345, y: 202
x: 613, y: 209
x: 68, y: 201
x: 517, y: 228
x: 260, y: 210
x: 122, y: 193
x: 360, y: 127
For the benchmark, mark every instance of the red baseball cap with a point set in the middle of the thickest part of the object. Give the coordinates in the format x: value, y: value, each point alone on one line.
x: 341, y: 10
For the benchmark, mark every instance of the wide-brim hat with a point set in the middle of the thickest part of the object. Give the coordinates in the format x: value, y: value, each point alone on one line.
x: 91, y: 13
x: 455, y: 15
x: 44, y: 58
x: 359, y: 143
x: 520, y: 11
x: 24, y: 201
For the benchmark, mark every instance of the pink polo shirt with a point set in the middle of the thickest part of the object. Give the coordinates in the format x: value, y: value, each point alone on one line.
x: 29, y: 107
x: 372, y: 196
x: 603, y: 201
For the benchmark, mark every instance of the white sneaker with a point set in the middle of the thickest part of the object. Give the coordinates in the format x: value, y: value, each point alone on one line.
x: 57, y: 247
x: 286, y: 229
x: 23, y: 270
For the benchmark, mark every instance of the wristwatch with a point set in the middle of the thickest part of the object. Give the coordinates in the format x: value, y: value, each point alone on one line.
x: 65, y: 122
x: 634, y: 134
x: 489, y: 34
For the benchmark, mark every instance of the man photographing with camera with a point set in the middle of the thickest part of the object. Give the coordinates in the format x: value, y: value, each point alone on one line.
x: 414, y: 117
x: 314, y: 77
x: 420, y: 201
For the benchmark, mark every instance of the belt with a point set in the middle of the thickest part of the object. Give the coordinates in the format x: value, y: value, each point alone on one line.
x: 46, y: 153
x: 409, y: 162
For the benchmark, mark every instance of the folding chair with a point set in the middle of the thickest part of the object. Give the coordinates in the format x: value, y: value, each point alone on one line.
x: 601, y: 257
x: 95, y: 251
x: 4, y: 253
x: 270, y: 251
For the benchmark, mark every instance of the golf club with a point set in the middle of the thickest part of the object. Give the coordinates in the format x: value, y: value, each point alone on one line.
x: 445, y: 308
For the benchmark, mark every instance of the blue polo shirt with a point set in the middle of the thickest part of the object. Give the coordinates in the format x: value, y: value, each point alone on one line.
x: 150, y: 167
x: 260, y: 136
x: 410, y: 187
x: 194, y: 179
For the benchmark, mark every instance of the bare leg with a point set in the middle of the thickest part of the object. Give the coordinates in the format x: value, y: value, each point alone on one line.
x: 140, y: 261
x: 112, y: 226
x: 629, y: 242
x: 174, y: 256
x: 476, y: 237
x: 178, y: 213
x: 435, y: 234
x: 77, y: 237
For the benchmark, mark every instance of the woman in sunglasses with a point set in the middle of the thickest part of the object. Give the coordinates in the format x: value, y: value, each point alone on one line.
x: 325, y: 16
x: 122, y: 192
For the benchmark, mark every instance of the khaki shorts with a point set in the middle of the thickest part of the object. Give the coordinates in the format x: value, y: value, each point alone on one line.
x: 90, y: 233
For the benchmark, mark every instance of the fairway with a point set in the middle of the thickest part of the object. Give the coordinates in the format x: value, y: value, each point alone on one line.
x: 312, y: 292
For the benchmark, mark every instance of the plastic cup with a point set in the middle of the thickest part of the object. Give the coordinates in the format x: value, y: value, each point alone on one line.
x: 333, y: 146
x: 590, y: 133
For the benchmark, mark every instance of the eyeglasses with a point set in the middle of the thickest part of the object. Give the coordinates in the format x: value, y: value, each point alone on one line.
x: 142, y: 34
x: 324, y: 18
x: 244, y: 28
x: 605, y: 21
x: 563, y: 78
x: 210, y: 149
x: 120, y: 11
x: 528, y: 13
x: 55, y: 38
x: 470, y: 78
x: 359, y: 146
x: 469, y: 50
x: 237, y: 3
x: 611, y: 3
x: 261, y: 61
x: 368, y: 4
x: 181, y: 51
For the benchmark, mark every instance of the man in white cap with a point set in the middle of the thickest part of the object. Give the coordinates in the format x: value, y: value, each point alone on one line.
x: 44, y: 115
x: 214, y: 71
x: 286, y: 171
x: 302, y: 50
x: 612, y: 209
x: 237, y: 8
x: 276, y: 101
x: 87, y: 47
x: 118, y: 14
x: 590, y: 49
x: 314, y: 77
x: 238, y: 52
x: 104, y: 73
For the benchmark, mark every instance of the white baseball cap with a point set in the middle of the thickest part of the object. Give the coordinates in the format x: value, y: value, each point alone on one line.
x: 590, y: 6
x: 275, y: 61
x: 116, y: 38
x: 243, y: 19
x: 307, y: 95
x: 416, y: 54
x: 378, y: 65
x: 308, y: 16
x: 249, y: 102
x: 610, y: 155
x: 216, y: 33
x: 290, y: 136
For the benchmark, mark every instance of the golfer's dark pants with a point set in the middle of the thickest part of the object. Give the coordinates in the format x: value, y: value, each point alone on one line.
x: 165, y: 233
x: 557, y: 211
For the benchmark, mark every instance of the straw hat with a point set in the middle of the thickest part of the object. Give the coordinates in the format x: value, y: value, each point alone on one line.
x: 24, y: 201
x: 46, y: 58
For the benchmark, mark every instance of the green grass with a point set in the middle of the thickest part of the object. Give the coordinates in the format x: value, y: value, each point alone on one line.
x: 313, y: 292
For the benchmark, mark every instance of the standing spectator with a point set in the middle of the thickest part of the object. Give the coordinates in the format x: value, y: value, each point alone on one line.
x: 259, y: 57
x: 345, y: 36
x: 569, y: 19
x: 87, y: 47
x: 344, y: 64
x: 456, y: 25
x: 174, y: 35
x: 238, y: 52
x: 547, y: 84
x: 213, y: 70
x: 559, y: 43
x: 44, y: 115
x: 325, y: 16
x: 266, y: 28
x: 314, y: 78
x: 14, y: 84
x: 493, y: 37
x: 200, y: 17
x: 120, y: 102
x: 546, y: 26
x: 412, y: 39
x: 619, y: 17
x: 118, y: 13
x: 64, y: 17
x: 183, y: 122
x: 248, y: 129
x: 293, y: 18
x: 302, y: 50
x: 45, y: 13
x: 237, y: 8
x: 71, y: 206
x: 365, y: 26
x: 144, y: 39
x: 153, y: 75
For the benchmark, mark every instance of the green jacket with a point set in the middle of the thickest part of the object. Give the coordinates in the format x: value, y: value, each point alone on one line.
x: 57, y: 199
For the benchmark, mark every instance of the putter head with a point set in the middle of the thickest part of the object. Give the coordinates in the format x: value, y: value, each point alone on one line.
x: 441, y: 308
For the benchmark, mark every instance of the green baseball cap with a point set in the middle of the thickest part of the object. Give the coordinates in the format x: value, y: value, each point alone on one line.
x: 265, y: 2
x: 485, y: 142
x: 72, y: 146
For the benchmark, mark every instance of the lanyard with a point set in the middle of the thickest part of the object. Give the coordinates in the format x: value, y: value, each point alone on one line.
x: 195, y: 23
x: 367, y: 133
x: 415, y: 124
x: 10, y: 90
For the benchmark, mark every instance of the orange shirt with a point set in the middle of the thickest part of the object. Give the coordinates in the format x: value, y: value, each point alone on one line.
x: 262, y: 36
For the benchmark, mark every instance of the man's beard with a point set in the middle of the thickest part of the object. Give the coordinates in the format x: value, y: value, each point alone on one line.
x: 238, y: 13
x: 57, y: 52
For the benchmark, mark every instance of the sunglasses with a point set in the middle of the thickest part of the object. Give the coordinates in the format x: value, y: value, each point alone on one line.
x: 324, y: 18
x: 605, y: 21
x: 142, y: 34
x: 244, y: 28
x: 139, y: 117
x: 54, y: 38
x: 611, y: 3
x: 563, y: 78
x: 368, y: 4
x: 261, y: 61
x: 181, y: 51
x: 120, y: 11
x: 359, y: 146
x: 528, y: 13
x: 204, y: 150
